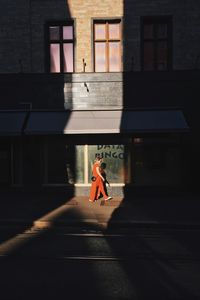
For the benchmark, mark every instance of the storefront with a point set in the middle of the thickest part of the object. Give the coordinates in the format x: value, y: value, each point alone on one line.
x: 11, y: 157
x: 57, y: 149
x: 73, y: 163
x: 138, y: 161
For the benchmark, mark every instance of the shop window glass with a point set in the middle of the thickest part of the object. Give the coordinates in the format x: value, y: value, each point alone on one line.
x: 79, y: 171
x: 156, y: 162
x: 60, y: 162
x: 5, y: 166
x: 17, y: 163
x: 115, y: 157
x: 69, y: 164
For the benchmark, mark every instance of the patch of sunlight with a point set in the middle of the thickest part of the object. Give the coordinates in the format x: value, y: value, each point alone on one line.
x: 39, y: 227
x: 19, y: 240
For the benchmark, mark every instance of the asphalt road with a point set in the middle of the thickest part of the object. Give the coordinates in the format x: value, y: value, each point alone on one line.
x: 63, y: 263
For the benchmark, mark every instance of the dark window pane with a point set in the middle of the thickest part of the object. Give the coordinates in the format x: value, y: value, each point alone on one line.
x: 148, y: 31
x: 54, y: 33
x: 61, y: 169
x: 162, y: 31
x: 4, y: 166
x: 100, y: 57
x: 114, y: 56
x: 67, y: 32
x: 162, y: 56
x: 68, y: 57
x: 55, y: 58
x: 17, y: 163
x: 148, y: 56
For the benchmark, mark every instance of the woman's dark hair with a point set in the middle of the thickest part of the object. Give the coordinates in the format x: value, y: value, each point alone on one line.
x: 97, y: 156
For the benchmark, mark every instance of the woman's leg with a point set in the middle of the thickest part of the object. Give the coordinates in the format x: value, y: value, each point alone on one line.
x: 93, y: 192
x: 102, y: 190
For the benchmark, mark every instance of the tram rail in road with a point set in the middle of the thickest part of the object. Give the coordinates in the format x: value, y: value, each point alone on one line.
x: 87, y: 245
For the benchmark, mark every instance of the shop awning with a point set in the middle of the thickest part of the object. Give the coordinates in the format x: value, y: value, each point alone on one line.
x: 97, y: 122
x: 11, y: 122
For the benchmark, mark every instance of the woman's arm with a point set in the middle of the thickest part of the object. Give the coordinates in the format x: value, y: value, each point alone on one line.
x: 99, y: 173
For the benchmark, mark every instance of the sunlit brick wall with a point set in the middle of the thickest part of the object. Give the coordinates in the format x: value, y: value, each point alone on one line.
x: 83, y: 12
x: 22, y: 31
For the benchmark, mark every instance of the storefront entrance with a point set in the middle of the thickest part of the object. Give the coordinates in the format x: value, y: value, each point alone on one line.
x: 116, y: 158
x: 72, y: 164
x: 139, y: 161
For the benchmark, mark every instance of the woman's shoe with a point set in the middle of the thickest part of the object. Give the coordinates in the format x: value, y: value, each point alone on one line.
x: 108, y: 198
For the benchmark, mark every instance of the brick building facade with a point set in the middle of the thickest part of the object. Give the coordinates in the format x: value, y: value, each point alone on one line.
x: 140, y: 57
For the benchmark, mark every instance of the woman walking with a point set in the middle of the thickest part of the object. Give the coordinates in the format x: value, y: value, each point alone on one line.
x: 98, y: 185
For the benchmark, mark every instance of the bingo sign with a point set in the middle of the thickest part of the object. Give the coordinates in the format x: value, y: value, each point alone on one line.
x: 110, y: 151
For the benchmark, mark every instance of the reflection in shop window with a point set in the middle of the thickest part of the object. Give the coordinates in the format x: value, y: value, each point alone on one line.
x: 80, y: 164
x: 115, y: 157
x: 69, y: 164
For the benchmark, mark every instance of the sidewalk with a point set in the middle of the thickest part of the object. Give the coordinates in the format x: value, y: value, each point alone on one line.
x: 57, y: 209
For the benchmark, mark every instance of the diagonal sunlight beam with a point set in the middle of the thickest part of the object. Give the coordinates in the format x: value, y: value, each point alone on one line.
x: 19, y: 240
x: 39, y: 227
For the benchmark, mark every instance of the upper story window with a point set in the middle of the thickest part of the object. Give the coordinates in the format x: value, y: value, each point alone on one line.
x: 61, y: 47
x: 107, y: 46
x: 156, y: 43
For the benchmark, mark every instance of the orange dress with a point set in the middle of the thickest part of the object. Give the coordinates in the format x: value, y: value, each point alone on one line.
x: 97, y: 186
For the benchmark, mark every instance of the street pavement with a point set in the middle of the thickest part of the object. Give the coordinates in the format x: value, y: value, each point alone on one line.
x: 58, y: 209
x: 54, y: 246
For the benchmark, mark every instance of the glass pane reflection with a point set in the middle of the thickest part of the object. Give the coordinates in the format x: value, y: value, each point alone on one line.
x: 115, y: 157
x: 68, y: 57
x: 54, y: 33
x: 100, y: 57
x: 114, y: 31
x: 114, y: 57
x: 67, y: 32
x: 55, y: 58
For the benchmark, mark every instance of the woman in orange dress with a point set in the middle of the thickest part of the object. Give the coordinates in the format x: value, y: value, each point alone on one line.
x: 98, y: 186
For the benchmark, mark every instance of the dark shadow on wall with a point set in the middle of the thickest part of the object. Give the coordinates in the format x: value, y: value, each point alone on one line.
x: 149, y: 271
x: 159, y: 90
x: 46, y: 150
x: 46, y: 157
